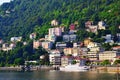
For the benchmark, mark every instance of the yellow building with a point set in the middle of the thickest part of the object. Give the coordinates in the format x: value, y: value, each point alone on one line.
x: 68, y: 51
x: 72, y: 51
x: 108, y: 55
x: 87, y: 41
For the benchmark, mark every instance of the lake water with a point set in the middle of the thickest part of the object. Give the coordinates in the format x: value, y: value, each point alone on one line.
x: 56, y: 75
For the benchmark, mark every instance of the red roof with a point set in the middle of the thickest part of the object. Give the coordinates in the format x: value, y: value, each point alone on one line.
x: 116, y: 47
x: 67, y: 57
x: 72, y: 27
x: 117, y: 57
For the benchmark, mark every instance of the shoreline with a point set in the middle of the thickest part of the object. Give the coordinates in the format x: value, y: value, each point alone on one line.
x: 21, y: 68
x: 39, y: 68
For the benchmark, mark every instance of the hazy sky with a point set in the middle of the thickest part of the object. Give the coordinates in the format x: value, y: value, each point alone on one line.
x: 2, y: 1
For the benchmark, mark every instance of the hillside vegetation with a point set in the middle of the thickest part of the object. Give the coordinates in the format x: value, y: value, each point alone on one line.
x: 20, y: 17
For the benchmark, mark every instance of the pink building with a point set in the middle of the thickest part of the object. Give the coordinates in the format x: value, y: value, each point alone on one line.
x: 12, y: 45
x: 58, y: 31
x: 72, y: 27
x: 47, y: 45
x: 88, y: 23
x: 55, y: 31
x: 93, y: 29
x: 1, y: 41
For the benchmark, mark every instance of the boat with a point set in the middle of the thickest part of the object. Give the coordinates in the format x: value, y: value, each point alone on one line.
x: 75, y: 68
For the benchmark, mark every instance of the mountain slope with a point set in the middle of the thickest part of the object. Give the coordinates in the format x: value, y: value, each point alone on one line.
x: 19, y: 17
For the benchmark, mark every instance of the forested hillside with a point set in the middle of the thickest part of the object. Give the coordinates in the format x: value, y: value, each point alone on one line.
x: 20, y: 17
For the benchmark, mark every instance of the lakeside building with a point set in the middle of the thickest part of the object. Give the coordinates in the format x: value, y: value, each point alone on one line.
x: 55, y: 59
x: 80, y: 61
x: 66, y: 60
x: 109, y: 55
x: 93, y: 55
x: 116, y: 48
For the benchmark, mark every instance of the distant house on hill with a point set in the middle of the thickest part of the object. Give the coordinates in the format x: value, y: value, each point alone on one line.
x: 55, y: 31
x: 32, y: 35
x: 69, y: 38
x: 15, y: 39
x: 88, y: 23
x: 1, y: 41
x: 72, y: 27
x: 54, y: 23
x: 101, y: 25
x: 109, y: 38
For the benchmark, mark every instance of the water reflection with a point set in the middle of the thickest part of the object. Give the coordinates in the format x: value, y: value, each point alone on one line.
x: 56, y: 75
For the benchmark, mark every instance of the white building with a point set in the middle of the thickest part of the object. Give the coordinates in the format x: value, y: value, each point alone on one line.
x: 12, y: 45
x: 54, y: 23
x: 109, y: 39
x: 5, y: 47
x: 55, y: 59
x: 93, y: 44
x: 32, y: 35
x: 61, y: 45
x: 14, y: 39
x: 101, y: 25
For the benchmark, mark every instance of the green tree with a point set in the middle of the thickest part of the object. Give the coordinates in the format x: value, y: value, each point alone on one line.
x: 19, y: 61
x: 117, y: 62
x: 105, y: 63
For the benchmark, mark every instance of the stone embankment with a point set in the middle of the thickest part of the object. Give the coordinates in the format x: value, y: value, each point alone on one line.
x: 10, y: 68
x: 29, y: 68
x: 108, y: 69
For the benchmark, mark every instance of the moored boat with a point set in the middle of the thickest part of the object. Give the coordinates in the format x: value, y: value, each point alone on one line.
x: 74, y: 68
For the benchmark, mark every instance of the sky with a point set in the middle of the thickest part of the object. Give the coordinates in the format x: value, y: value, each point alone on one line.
x: 2, y: 1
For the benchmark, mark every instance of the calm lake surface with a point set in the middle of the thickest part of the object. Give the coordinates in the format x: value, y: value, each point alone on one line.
x: 56, y: 75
